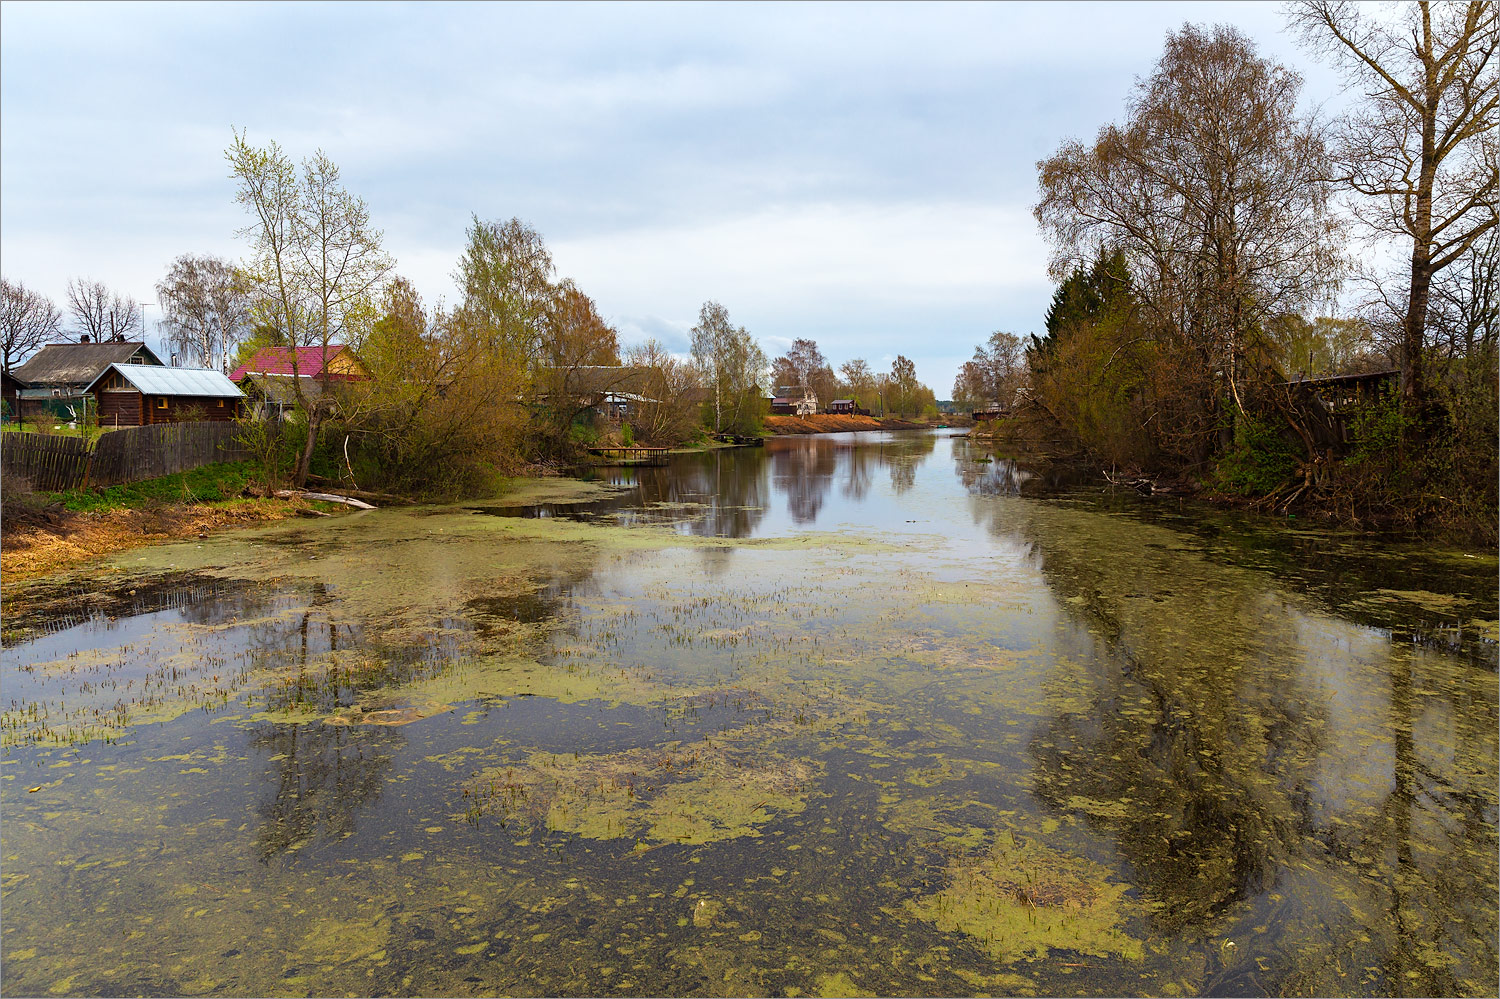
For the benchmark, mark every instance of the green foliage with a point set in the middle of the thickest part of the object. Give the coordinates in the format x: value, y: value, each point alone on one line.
x: 627, y: 434
x: 1261, y: 459
x: 207, y: 484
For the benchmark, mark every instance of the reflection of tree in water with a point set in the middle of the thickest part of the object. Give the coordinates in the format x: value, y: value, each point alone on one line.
x: 803, y: 472
x: 321, y: 776
x: 859, y: 467
x: 1206, y: 739
x: 726, y: 488
x: 999, y: 477
x: 904, y: 456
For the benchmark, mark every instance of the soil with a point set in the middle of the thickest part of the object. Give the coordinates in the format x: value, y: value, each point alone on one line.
x: 836, y: 424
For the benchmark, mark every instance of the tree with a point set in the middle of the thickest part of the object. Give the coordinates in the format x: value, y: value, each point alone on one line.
x: 858, y: 381
x: 903, y: 386
x: 101, y: 314
x: 734, y: 366
x: 1214, y: 191
x: 993, y: 375
x: 577, y: 343
x: 1420, y: 150
x: 316, y: 261
x: 205, y: 304
x: 506, y: 277
x: 668, y: 410
x: 804, y: 366
x: 28, y: 319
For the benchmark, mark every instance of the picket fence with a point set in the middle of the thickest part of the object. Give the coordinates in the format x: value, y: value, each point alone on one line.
x: 51, y: 463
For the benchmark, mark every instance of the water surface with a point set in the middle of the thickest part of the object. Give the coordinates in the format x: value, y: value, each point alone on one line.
x: 852, y: 714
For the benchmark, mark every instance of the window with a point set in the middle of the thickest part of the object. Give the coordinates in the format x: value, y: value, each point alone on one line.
x: 161, y: 402
x: 221, y: 403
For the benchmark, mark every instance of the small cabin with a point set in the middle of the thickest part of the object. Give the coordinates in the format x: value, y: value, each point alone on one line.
x: 130, y: 395
x: 844, y: 407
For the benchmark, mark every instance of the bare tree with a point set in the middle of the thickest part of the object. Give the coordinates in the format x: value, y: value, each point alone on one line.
x: 1420, y: 150
x: 1214, y: 190
x: 101, y: 314
x: 205, y: 302
x: 859, y: 381
x: 28, y: 319
x: 316, y: 263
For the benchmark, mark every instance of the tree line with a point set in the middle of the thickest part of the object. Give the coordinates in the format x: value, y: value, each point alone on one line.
x: 512, y: 374
x: 1202, y: 245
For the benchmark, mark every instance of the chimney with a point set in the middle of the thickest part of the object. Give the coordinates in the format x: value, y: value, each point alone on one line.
x: 84, y: 338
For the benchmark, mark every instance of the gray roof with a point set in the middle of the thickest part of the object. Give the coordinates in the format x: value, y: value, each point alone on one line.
x: 62, y: 364
x: 281, y: 390
x: 150, y: 379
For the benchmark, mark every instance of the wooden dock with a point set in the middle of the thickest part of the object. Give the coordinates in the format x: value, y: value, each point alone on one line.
x: 634, y: 454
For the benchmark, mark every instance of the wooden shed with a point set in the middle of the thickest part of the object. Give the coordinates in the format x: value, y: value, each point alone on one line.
x: 132, y: 395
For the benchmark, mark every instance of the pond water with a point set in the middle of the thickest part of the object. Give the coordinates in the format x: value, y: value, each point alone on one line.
x: 853, y: 714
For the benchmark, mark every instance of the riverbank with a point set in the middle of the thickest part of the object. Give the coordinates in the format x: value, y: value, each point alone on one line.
x: 831, y: 423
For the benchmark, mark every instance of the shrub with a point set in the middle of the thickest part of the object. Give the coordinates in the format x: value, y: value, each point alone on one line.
x: 1260, y: 460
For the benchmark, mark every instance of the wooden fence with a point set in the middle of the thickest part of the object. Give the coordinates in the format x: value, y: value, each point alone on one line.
x: 52, y: 462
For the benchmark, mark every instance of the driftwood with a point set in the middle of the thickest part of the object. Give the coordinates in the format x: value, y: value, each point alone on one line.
x: 358, y: 504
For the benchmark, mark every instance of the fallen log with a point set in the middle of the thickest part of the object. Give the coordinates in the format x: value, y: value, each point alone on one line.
x: 325, y: 497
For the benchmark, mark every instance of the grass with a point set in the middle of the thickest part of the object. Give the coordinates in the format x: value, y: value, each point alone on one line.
x: 58, y: 429
x: 207, y: 484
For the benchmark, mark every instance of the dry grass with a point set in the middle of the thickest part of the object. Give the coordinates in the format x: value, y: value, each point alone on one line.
x: 42, y: 549
x: 833, y: 424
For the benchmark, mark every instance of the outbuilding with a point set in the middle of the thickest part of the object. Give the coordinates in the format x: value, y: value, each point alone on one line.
x: 134, y: 395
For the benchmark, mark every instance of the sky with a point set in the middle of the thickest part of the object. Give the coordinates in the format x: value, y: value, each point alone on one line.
x: 859, y: 174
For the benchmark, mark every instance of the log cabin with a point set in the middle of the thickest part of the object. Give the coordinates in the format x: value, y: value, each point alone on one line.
x: 129, y: 395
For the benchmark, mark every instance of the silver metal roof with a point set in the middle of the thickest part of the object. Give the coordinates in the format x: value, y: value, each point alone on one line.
x: 153, y: 380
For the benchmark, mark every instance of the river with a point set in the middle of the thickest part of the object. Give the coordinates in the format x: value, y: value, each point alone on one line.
x: 844, y: 715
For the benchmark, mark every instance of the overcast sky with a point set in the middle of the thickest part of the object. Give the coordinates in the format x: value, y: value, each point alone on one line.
x: 862, y: 175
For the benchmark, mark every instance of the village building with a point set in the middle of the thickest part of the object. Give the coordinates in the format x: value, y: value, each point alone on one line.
x: 843, y: 407
x: 792, y: 400
x: 304, y: 362
x: 130, y: 395
x: 56, y: 378
x: 11, y: 387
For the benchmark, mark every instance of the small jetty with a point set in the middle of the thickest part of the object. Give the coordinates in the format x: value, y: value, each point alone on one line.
x: 633, y: 454
x: 740, y: 440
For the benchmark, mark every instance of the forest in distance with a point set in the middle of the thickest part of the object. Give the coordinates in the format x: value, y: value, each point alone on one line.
x: 1215, y: 277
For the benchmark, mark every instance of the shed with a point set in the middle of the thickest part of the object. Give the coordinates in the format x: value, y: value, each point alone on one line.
x: 131, y: 395
x: 845, y: 406
x: 12, y: 388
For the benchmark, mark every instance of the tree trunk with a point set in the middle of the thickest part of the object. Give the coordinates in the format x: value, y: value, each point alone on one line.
x: 304, y: 461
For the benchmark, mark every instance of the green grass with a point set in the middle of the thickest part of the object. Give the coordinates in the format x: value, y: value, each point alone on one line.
x: 58, y: 429
x: 208, y: 484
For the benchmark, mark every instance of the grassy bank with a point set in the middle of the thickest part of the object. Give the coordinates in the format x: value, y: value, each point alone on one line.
x: 43, y: 533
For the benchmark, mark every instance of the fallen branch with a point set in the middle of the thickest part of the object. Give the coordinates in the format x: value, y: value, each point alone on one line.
x: 325, y: 497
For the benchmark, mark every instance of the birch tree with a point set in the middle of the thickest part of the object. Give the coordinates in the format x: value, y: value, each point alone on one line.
x: 205, y: 306
x: 316, y: 261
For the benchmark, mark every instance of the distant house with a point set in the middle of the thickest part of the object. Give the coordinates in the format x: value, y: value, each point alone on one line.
x: 304, y: 362
x: 129, y: 395
x: 844, y: 407
x: 57, y: 377
x: 992, y: 411
x: 794, y: 401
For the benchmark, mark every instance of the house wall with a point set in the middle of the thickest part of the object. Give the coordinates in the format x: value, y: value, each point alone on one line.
x: 128, y: 408
x: 119, y: 408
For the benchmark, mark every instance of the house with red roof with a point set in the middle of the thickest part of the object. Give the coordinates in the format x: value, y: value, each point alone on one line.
x: 309, y: 363
x: 268, y: 379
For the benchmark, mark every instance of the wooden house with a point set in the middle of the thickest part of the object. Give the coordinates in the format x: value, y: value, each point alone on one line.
x: 847, y: 407
x: 794, y: 401
x: 56, y: 378
x: 304, y: 362
x: 136, y: 396
x: 12, y: 387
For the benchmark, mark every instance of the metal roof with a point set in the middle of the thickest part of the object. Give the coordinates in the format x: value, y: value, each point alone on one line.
x: 152, y: 380
x: 79, y: 363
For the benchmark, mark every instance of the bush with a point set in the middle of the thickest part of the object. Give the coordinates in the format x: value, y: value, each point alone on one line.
x: 1260, y: 461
